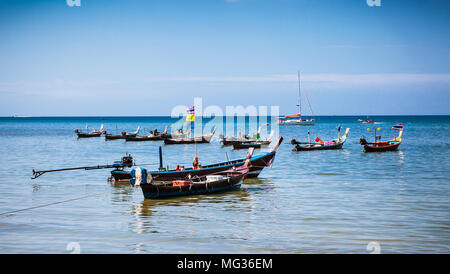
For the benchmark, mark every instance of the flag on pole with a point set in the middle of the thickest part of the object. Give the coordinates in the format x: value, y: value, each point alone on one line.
x: 190, y: 114
x: 398, y: 127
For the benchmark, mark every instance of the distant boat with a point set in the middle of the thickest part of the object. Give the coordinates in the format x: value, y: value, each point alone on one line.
x: 124, y: 135
x: 367, y: 121
x: 94, y: 133
x: 230, y: 140
x: 180, y: 134
x: 254, y: 144
x: 296, y: 119
x: 321, y: 145
x: 191, y: 140
x: 377, y: 146
x: 153, y: 136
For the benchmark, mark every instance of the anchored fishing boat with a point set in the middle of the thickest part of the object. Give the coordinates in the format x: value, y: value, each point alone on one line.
x: 367, y: 121
x: 124, y: 135
x: 93, y: 133
x: 230, y: 140
x: 321, y: 145
x: 254, y: 144
x: 296, y: 119
x: 154, y: 135
x: 226, y: 180
x: 377, y: 146
x: 258, y: 163
x: 180, y: 134
x: 206, y: 139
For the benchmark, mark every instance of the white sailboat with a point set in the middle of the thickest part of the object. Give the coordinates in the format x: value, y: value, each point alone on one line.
x: 296, y: 119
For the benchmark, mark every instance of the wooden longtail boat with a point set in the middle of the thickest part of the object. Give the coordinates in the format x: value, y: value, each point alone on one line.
x: 194, y: 140
x: 366, y: 121
x: 296, y: 119
x: 253, y: 144
x: 230, y: 140
x: 382, y: 146
x: 321, y: 145
x: 179, y: 134
x: 197, y: 185
x: 220, y: 182
x: 94, y: 133
x: 153, y: 136
x: 145, y: 138
x: 124, y: 135
x: 88, y: 135
x: 258, y: 163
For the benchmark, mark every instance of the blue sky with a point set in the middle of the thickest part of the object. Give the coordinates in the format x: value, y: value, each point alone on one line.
x: 125, y: 57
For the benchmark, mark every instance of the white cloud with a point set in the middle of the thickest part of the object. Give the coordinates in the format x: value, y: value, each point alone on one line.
x: 324, y: 78
x: 81, y: 88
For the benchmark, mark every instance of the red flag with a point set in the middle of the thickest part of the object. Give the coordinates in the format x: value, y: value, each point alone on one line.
x: 319, y: 140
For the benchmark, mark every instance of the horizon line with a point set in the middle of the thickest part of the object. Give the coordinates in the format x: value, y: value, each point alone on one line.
x: 166, y: 116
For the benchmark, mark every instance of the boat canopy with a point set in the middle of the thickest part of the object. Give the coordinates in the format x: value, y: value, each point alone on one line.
x: 291, y: 116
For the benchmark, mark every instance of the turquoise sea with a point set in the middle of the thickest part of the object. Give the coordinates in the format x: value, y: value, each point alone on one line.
x: 308, y: 202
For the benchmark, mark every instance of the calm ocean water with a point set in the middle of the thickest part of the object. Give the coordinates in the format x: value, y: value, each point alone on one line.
x: 309, y: 202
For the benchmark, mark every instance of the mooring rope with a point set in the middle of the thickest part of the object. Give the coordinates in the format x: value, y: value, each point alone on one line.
x: 54, y: 203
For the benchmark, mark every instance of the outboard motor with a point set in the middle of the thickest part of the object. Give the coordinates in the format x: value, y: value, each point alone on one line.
x: 363, y: 141
x: 139, y: 175
x: 127, y: 161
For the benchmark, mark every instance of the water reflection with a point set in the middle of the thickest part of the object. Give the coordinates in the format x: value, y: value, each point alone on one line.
x: 121, y: 192
x: 396, y: 155
x: 256, y: 184
x: 401, y: 156
x: 321, y: 202
x: 147, y: 212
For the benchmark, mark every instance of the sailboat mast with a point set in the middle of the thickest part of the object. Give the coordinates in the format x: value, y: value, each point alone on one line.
x: 299, y: 95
